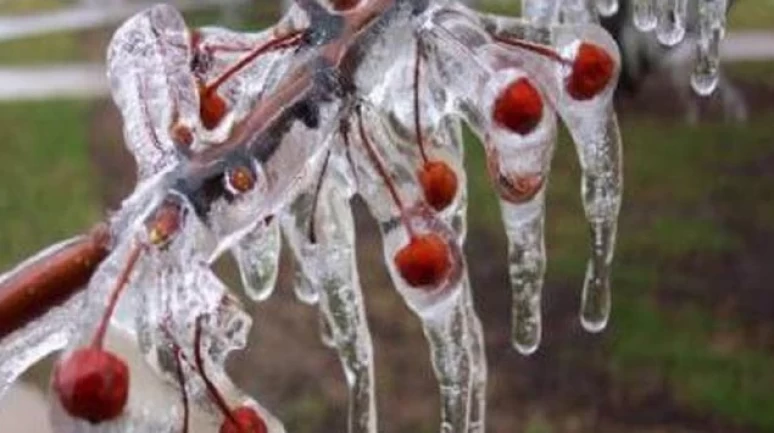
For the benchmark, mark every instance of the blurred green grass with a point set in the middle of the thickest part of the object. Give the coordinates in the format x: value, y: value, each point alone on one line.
x: 752, y: 14
x: 49, y: 191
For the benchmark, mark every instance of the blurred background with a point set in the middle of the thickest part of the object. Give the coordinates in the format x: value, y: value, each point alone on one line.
x: 690, y: 345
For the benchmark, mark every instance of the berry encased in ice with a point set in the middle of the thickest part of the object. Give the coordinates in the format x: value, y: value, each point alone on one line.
x: 92, y: 384
x: 248, y: 419
x: 439, y: 184
x: 592, y: 71
x: 425, y: 261
x: 518, y: 107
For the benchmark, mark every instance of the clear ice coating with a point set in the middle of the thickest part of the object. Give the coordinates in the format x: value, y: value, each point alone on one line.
x: 243, y: 139
x: 607, y: 7
x: 644, y: 14
x: 670, y: 20
x: 672, y: 15
x: 712, y: 24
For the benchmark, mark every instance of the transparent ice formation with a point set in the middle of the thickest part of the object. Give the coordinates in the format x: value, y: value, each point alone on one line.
x: 245, y: 139
x: 671, y: 20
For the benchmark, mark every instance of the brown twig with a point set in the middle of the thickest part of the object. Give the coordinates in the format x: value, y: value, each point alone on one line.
x: 52, y: 279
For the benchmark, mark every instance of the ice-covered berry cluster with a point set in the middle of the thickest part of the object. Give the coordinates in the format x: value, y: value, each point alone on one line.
x: 242, y: 137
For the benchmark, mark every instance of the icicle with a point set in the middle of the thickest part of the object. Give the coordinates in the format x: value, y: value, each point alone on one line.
x: 593, y: 126
x: 321, y: 233
x: 542, y: 13
x: 607, y: 7
x: 257, y: 253
x: 592, y: 123
x: 672, y: 15
x: 519, y: 130
x: 478, y: 361
x: 526, y: 263
x: 519, y: 168
x: 579, y: 11
x: 644, y: 14
x: 448, y: 139
x: 447, y: 337
x: 704, y: 78
x: 438, y: 304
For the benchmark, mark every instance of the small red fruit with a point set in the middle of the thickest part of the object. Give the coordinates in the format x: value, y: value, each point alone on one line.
x: 240, y: 178
x: 92, y: 384
x: 181, y: 135
x: 343, y: 5
x: 519, y: 107
x: 439, y: 184
x: 248, y: 419
x: 424, y: 261
x: 212, y: 107
x: 165, y: 223
x: 592, y: 71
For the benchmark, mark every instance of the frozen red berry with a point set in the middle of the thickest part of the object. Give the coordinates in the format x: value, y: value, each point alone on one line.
x: 164, y: 223
x: 240, y: 178
x: 343, y: 5
x: 518, y: 107
x: 248, y: 419
x: 92, y: 384
x: 212, y: 107
x: 439, y: 184
x: 592, y: 71
x: 181, y: 135
x: 425, y: 261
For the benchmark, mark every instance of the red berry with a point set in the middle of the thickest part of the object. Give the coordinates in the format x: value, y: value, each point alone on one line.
x: 92, y: 384
x: 519, y: 107
x: 343, y: 5
x: 164, y: 223
x: 520, y: 189
x: 439, y: 184
x: 592, y: 71
x: 240, y: 178
x: 212, y: 107
x: 181, y: 135
x: 424, y: 261
x: 248, y: 419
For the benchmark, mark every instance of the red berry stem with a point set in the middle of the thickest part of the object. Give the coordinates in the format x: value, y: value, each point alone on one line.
x: 179, y: 358
x: 417, y: 113
x: 289, y: 40
x: 312, y: 232
x: 183, y: 390
x: 211, y: 388
x: 99, y: 336
x: 382, y: 170
x: 535, y: 48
